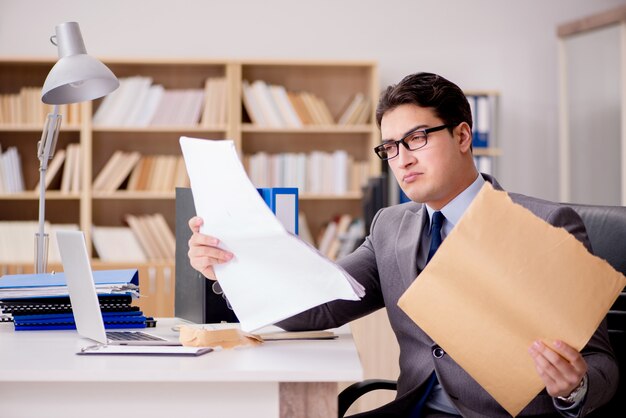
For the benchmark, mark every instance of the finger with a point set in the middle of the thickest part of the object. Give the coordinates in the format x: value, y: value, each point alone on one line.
x: 195, y: 223
x: 198, y: 239
x: 209, y: 273
x: 545, y: 368
x: 572, y: 355
x: 205, y: 267
x: 199, y: 251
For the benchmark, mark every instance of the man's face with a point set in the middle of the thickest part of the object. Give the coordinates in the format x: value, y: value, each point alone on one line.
x: 431, y: 174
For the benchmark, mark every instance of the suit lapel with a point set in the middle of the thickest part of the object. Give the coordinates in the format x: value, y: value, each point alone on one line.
x: 407, y: 243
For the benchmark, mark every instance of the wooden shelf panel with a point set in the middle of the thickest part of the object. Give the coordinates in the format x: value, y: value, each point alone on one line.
x: 134, y: 195
x: 311, y: 129
x: 36, y: 128
x: 488, y: 152
x: 158, y: 129
x: 345, y: 196
x: 34, y: 195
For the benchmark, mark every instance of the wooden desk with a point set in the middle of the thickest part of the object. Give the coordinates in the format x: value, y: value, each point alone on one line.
x: 40, y: 375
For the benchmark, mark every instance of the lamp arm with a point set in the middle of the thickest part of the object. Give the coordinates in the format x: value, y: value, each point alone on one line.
x: 45, y: 151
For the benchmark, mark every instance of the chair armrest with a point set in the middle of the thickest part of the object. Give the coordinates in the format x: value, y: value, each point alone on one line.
x: 350, y: 394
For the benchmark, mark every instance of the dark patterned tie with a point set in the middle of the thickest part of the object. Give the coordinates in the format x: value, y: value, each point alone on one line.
x: 435, y: 242
x: 435, y: 234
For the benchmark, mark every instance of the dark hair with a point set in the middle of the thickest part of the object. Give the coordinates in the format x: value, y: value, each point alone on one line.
x: 427, y: 90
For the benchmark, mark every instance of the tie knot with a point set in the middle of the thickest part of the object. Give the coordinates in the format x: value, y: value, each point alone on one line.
x: 437, y: 221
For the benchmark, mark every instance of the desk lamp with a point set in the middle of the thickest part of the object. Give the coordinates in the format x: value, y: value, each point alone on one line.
x: 76, y: 77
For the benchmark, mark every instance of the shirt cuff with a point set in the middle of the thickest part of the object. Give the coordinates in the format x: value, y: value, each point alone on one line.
x: 572, y: 409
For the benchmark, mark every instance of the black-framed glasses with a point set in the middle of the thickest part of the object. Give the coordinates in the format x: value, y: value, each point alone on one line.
x: 412, y: 140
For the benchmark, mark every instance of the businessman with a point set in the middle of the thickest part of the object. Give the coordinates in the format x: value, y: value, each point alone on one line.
x: 426, y: 130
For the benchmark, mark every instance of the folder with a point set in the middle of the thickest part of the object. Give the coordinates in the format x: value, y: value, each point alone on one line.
x: 283, y: 201
x: 56, y: 305
x: 112, y: 320
x: 54, y: 284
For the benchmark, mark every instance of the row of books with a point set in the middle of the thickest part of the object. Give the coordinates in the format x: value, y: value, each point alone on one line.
x: 340, y: 236
x: 151, y: 172
x: 269, y: 105
x: 148, y: 237
x: 26, y: 107
x: 138, y: 102
x: 70, y: 161
x: 316, y: 172
x: 357, y: 112
x: 483, y: 117
x: 11, y: 175
x: 17, y: 241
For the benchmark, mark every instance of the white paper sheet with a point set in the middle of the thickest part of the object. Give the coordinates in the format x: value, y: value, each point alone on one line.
x: 274, y: 275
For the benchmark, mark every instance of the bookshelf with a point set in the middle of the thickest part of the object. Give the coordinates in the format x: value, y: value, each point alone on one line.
x: 334, y: 82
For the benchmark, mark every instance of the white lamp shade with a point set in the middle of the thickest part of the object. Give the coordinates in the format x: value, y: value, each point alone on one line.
x: 76, y: 77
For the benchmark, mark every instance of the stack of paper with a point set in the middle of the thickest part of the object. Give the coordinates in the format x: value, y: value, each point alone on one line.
x: 273, y: 275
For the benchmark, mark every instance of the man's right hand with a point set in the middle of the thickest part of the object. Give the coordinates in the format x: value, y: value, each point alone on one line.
x: 204, y: 252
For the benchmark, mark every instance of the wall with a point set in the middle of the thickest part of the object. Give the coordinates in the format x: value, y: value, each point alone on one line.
x: 508, y: 46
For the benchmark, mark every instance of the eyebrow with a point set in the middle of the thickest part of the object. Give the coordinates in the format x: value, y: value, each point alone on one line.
x: 410, y: 131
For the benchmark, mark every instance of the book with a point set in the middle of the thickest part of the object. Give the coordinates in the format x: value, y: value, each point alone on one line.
x: 109, y: 168
x: 66, y: 177
x: 251, y: 105
x: 351, y: 110
x: 144, y: 237
x: 117, y: 244
x: 483, y: 121
x: 165, y: 234
x: 287, y: 112
x: 53, y: 168
x: 342, y: 228
x: 122, y: 172
x: 269, y: 108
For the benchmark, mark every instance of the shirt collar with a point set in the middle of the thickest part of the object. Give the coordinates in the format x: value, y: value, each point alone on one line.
x: 457, y: 206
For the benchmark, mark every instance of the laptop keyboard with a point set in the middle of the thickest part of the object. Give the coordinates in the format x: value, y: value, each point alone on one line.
x: 131, y: 336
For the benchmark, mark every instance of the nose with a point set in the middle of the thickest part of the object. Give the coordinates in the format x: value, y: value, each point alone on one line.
x: 405, y: 157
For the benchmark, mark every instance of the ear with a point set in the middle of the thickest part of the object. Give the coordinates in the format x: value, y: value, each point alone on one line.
x: 464, y: 135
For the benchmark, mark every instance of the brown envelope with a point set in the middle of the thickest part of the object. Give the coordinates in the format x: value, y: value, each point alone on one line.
x: 502, y: 279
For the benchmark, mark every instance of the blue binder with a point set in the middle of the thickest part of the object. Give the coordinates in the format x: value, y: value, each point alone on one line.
x: 44, y: 322
x: 283, y: 201
x: 32, y: 282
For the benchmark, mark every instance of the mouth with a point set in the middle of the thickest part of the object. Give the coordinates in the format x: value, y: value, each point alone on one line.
x: 411, y: 177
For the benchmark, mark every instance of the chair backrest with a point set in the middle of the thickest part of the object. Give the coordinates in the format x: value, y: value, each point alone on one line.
x: 606, y: 228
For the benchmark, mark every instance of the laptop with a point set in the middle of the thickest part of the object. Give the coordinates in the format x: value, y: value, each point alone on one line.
x: 84, y: 299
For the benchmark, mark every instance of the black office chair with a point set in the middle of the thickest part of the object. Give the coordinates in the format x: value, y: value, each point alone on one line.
x: 606, y: 228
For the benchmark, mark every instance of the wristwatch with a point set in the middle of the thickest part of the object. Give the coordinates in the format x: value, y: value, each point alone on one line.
x: 577, y: 394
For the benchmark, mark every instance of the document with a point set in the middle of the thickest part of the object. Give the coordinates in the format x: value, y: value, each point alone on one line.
x: 273, y: 275
x: 502, y: 279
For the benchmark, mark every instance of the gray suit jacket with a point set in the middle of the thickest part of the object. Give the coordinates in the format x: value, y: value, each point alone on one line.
x: 385, y: 264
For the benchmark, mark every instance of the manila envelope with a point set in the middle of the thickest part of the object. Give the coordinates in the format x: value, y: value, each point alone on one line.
x: 502, y: 279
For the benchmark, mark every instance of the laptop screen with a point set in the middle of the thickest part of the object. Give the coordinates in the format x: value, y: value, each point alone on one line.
x: 80, y: 284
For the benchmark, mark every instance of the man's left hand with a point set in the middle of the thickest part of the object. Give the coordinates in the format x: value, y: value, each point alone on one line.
x: 561, y: 368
